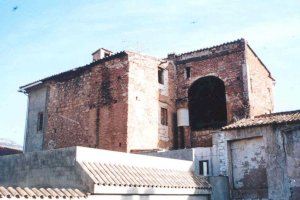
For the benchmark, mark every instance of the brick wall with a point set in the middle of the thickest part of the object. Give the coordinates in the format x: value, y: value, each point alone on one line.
x: 89, y: 108
x: 226, y: 62
x: 115, y: 103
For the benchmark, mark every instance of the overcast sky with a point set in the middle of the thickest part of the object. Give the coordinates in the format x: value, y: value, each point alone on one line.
x: 41, y: 38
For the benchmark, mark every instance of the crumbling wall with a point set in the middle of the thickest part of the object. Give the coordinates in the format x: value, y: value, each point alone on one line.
x: 243, y: 157
x: 283, y: 166
x: 261, y: 85
x: 249, y: 173
x: 227, y: 62
x: 292, y: 154
x: 89, y: 108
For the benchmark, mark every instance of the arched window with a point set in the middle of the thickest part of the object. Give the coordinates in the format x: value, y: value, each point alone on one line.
x: 207, y: 103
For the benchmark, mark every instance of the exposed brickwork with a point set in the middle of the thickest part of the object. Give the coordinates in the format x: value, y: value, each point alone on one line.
x: 225, y: 63
x: 235, y: 67
x: 115, y: 102
x: 86, y: 110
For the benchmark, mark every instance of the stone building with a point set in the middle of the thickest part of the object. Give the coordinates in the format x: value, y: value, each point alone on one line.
x: 133, y: 103
x: 259, y: 155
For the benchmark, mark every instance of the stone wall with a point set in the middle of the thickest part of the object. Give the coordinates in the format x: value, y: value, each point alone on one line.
x: 261, y: 162
x: 284, y: 162
x: 242, y: 157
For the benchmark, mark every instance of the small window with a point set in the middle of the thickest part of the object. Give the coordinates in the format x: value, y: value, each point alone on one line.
x: 164, y: 116
x: 187, y: 72
x: 203, y: 167
x: 106, y: 55
x: 161, y: 76
x: 40, y: 121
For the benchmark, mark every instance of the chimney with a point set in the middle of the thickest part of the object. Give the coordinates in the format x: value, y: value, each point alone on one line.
x: 100, y: 54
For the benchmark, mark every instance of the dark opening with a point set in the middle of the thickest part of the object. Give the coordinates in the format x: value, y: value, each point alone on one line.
x: 160, y: 75
x: 203, y: 167
x: 106, y: 55
x: 164, y: 116
x: 207, y: 103
x: 187, y: 72
x: 40, y: 121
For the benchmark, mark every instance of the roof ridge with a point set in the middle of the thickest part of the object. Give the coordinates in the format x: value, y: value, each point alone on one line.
x: 74, y: 69
x: 215, y: 46
x: 287, y: 117
x: 278, y: 113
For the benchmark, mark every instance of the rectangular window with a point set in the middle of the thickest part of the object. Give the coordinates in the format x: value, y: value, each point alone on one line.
x: 164, y: 116
x: 187, y: 72
x: 203, y: 167
x: 40, y: 121
x: 161, y: 75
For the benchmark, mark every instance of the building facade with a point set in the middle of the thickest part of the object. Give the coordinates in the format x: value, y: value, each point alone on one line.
x: 131, y: 102
x: 260, y: 156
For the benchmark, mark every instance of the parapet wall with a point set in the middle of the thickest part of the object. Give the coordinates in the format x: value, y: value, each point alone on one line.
x: 61, y: 168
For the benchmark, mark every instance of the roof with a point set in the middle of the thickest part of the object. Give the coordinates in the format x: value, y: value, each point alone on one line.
x: 28, y: 193
x: 241, y: 41
x: 72, y: 71
x: 5, y: 143
x: 8, y: 151
x: 267, y: 119
x: 133, y: 176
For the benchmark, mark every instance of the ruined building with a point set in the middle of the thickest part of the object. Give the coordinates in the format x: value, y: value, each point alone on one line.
x: 131, y: 102
x: 211, y: 106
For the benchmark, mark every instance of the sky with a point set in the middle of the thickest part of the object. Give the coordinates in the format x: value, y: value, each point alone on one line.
x: 41, y: 38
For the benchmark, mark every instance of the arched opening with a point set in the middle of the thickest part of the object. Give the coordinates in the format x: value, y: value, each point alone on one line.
x: 207, y: 103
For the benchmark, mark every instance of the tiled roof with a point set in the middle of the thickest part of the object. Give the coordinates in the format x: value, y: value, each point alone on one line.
x: 131, y: 176
x: 212, y: 47
x: 10, y: 192
x: 273, y: 118
x: 73, y: 71
x: 238, y: 41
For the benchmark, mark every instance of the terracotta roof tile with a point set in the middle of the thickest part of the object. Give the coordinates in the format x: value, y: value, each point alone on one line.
x: 10, y: 192
x: 273, y: 118
x: 74, y: 70
x: 132, y: 176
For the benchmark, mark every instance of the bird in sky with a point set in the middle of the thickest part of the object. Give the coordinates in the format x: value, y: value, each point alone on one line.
x: 15, y: 8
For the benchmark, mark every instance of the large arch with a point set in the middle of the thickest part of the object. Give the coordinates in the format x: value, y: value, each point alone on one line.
x: 207, y: 103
